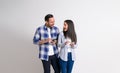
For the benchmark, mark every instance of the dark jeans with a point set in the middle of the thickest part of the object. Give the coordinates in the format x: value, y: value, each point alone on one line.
x: 53, y: 60
x: 66, y: 66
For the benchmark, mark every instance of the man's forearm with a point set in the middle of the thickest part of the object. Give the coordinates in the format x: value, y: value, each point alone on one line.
x: 42, y: 42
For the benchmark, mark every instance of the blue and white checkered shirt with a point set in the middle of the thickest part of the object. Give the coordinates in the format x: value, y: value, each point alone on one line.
x: 41, y: 34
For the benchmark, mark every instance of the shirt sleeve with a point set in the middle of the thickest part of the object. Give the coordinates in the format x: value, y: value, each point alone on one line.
x: 36, y: 37
x: 61, y: 44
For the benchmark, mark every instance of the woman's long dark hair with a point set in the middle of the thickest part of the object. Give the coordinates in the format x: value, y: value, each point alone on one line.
x: 71, y: 31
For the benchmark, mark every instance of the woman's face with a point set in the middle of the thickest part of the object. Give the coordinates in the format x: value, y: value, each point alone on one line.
x: 65, y: 27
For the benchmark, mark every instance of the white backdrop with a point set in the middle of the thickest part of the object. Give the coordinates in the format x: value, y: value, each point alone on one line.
x: 97, y: 24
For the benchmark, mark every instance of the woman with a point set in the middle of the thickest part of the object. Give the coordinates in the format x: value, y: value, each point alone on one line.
x: 67, y: 43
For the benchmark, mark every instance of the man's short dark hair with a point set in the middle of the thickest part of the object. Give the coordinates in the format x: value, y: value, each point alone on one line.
x: 48, y: 16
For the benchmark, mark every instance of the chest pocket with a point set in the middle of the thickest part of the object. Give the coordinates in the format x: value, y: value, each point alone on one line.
x: 54, y: 34
x: 45, y: 35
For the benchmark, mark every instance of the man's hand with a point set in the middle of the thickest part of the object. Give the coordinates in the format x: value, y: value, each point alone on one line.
x: 45, y: 41
x: 48, y: 40
x: 53, y: 42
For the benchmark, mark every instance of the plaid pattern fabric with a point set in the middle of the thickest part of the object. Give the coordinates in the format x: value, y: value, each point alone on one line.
x: 41, y: 34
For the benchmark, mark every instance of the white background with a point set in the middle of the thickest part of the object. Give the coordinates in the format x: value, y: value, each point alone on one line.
x: 97, y: 24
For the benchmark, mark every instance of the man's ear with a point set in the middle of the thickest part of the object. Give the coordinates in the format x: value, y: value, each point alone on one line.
x: 46, y: 22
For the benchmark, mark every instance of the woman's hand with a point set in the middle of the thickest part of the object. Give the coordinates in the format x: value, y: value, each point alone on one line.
x: 67, y: 42
x: 72, y: 44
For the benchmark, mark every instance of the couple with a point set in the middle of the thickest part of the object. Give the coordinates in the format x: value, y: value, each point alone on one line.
x: 48, y: 38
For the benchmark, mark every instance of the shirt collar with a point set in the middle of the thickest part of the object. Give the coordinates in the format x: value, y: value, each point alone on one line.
x: 47, y: 27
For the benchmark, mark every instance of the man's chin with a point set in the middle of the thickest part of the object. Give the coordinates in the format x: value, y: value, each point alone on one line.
x: 51, y: 26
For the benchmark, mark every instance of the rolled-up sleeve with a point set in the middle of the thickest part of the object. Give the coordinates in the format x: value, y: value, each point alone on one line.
x: 36, y: 37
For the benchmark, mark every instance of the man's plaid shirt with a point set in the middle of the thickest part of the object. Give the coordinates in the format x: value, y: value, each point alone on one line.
x: 41, y: 34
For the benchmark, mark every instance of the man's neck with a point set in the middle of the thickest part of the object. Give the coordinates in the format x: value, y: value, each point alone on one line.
x: 48, y: 26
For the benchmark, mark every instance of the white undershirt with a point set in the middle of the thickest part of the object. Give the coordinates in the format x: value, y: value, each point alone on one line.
x: 50, y: 46
x: 69, y: 47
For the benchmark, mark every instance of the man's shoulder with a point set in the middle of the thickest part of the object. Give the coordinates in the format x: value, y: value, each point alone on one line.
x: 40, y: 27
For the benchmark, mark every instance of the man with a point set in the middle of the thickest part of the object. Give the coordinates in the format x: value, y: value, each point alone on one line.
x: 46, y: 37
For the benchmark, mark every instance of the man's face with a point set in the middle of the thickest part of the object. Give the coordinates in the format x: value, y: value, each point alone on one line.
x: 50, y: 22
